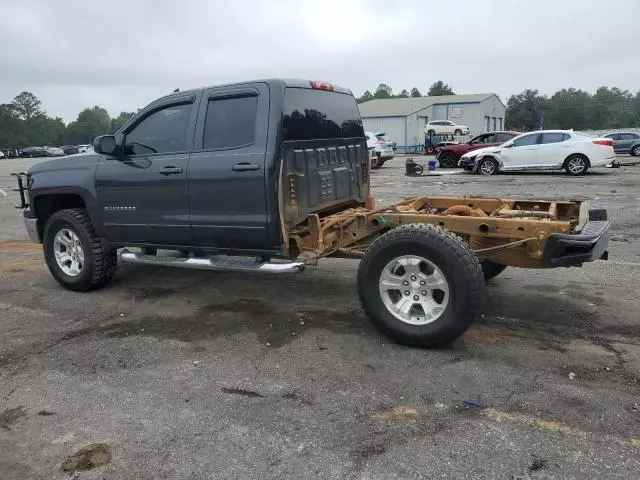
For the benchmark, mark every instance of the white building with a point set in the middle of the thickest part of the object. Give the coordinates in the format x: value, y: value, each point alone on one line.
x: 403, y: 119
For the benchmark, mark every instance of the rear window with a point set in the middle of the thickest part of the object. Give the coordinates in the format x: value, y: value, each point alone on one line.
x: 318, y: 114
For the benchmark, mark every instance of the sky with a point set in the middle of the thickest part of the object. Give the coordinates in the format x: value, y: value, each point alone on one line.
x: 122, y: 54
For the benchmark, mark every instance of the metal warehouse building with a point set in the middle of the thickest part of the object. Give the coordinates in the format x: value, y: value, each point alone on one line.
x: 403, y: 119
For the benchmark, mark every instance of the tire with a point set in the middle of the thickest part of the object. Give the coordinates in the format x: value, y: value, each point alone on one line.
x: 487, y: 166
x: 457, y: 300
x: 448, y: 160
x: 572, y: 165
x: 457, y: 133
x: 376, y: 163
x: 635, y: 151
x: 99, y: 263
x: 491, y: 269
x: 419, y: 170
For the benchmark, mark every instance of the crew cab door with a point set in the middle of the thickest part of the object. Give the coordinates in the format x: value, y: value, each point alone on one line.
x: 143, y: 193
x: 226, y: 175
x: 522, y: 153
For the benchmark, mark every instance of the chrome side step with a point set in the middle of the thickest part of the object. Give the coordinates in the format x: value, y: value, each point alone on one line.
x: 219, y: 263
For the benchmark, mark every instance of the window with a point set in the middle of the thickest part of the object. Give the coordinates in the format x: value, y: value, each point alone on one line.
x: 553, y: 137
x: 164, y: 131
x: 499, y: 123
x: 489, y: 138
x: 504, y: 137
x: 230, y: 122
x: 450, y: 124
x: 613, y: 136
x: 530, y: 139
x: 495, y: 123
x: 319, y: 114
x: 487, y: 123
x: 627, y: 136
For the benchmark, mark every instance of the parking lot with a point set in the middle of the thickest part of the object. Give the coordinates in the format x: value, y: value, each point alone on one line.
x: 190, y: 374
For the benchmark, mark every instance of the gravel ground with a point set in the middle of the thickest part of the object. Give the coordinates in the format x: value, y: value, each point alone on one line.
x: 189, y: 374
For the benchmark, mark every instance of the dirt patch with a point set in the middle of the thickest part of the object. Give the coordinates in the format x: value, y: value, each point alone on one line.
x: 296, y: 397
x: 87, y: 458
x: 10, y: 416
x: 538, y: 464
x: 45, y: 413
x: 241, y: 391
x: 396, y: 413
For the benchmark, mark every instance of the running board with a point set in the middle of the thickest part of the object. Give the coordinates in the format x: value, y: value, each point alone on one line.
x: 218, y: 263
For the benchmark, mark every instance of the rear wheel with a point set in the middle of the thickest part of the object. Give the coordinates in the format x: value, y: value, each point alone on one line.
x: 448, y: 160
x: 376, y: 162
x: 421, y: 285
x: 77, y: 258
x: 576, y: 165
x: 635, y: 151
x: 487, y: 166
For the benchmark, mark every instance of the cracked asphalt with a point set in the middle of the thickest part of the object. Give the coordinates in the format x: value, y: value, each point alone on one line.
x: 193, y: 375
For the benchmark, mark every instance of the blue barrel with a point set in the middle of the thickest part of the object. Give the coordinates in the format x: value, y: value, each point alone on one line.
x: 432, y: 165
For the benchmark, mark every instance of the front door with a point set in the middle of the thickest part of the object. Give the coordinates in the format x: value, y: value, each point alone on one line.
x: 522, y: 154
x: 142, y: 194
x: 227, y: 194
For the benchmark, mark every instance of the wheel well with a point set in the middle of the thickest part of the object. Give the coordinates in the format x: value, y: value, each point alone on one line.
x: 564, y: 164
x: 46, y: 205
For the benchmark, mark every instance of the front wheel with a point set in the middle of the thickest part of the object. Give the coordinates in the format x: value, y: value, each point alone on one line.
x: 421, y: 285
x: 457, y: 133
x: 77, y: 258
x: 576, y: 165
x: 487, y: 166
x: 448, y: 160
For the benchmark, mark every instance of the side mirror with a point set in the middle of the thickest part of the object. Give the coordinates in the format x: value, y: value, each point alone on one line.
x: 108, y: 145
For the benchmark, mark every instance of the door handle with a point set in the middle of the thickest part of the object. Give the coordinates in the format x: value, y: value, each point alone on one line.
x: 245, y: 167
x: 170, y: 170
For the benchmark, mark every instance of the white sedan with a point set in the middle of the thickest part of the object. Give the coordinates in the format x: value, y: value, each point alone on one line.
x: 542, y: 150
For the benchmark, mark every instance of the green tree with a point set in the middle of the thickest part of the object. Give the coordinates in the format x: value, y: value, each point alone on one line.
x: 27, y: 106
x: 13, y: 130
x: 439, y: 88
x: 524, y: 109
x: 569, y: 108
x: 366, y: 96
x: 90, y: 123
x: 403, y: 94
x: 415, y: 92
x: 612, y: 108
x: 383, y: 91
x: 120, y: 120
x: 46, y: 131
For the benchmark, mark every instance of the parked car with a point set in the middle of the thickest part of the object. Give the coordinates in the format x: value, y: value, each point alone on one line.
x: 449, y: 155
x: 34, y: 152
x: 70, y: 149
x: 440, y: 127
x: 84, y: 148
x: 625, y: 142
x: 384, y: 137
x: 2, y: 155
x: 542, y: 150
x: 381, y: 147
x: 54, y: 152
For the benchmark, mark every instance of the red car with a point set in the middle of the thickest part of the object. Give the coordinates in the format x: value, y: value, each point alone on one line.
x: 448, y: 155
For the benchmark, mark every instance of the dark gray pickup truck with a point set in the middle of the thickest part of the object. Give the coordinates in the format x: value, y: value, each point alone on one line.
x: 270, y: 176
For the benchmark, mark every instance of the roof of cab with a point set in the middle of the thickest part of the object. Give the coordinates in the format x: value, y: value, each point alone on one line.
x: 281, y: 82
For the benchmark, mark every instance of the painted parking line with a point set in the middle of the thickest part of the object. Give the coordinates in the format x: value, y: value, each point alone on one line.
x: 3, y: 193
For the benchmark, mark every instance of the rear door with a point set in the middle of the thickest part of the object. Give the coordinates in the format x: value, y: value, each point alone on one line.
x: 522, y: 154
x: 143, y: 194
x: 553, y: 149
x: 227, y: 200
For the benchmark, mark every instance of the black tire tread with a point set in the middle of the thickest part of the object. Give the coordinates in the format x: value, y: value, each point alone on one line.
x: 105, y: 260
x: 453, y: 247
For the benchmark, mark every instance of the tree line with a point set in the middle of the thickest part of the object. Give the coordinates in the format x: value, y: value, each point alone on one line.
x: 608, y: 108
x: 24, y: 122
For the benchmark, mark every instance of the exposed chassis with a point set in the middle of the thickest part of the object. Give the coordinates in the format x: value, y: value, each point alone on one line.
x: 519, y: 233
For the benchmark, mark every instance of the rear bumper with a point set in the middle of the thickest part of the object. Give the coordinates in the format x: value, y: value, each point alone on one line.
x: 562, y: 250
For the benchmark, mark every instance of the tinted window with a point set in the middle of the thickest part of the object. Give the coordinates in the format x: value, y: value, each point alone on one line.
x: 164, y: 131
x: 554, y: 137
x: 318, y: 114
x: 612, y: 136
x: 230, y: 122
x: 526, y: 140
x: 627, y: 136
x: 504, y: 137
x: 489, y: 139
